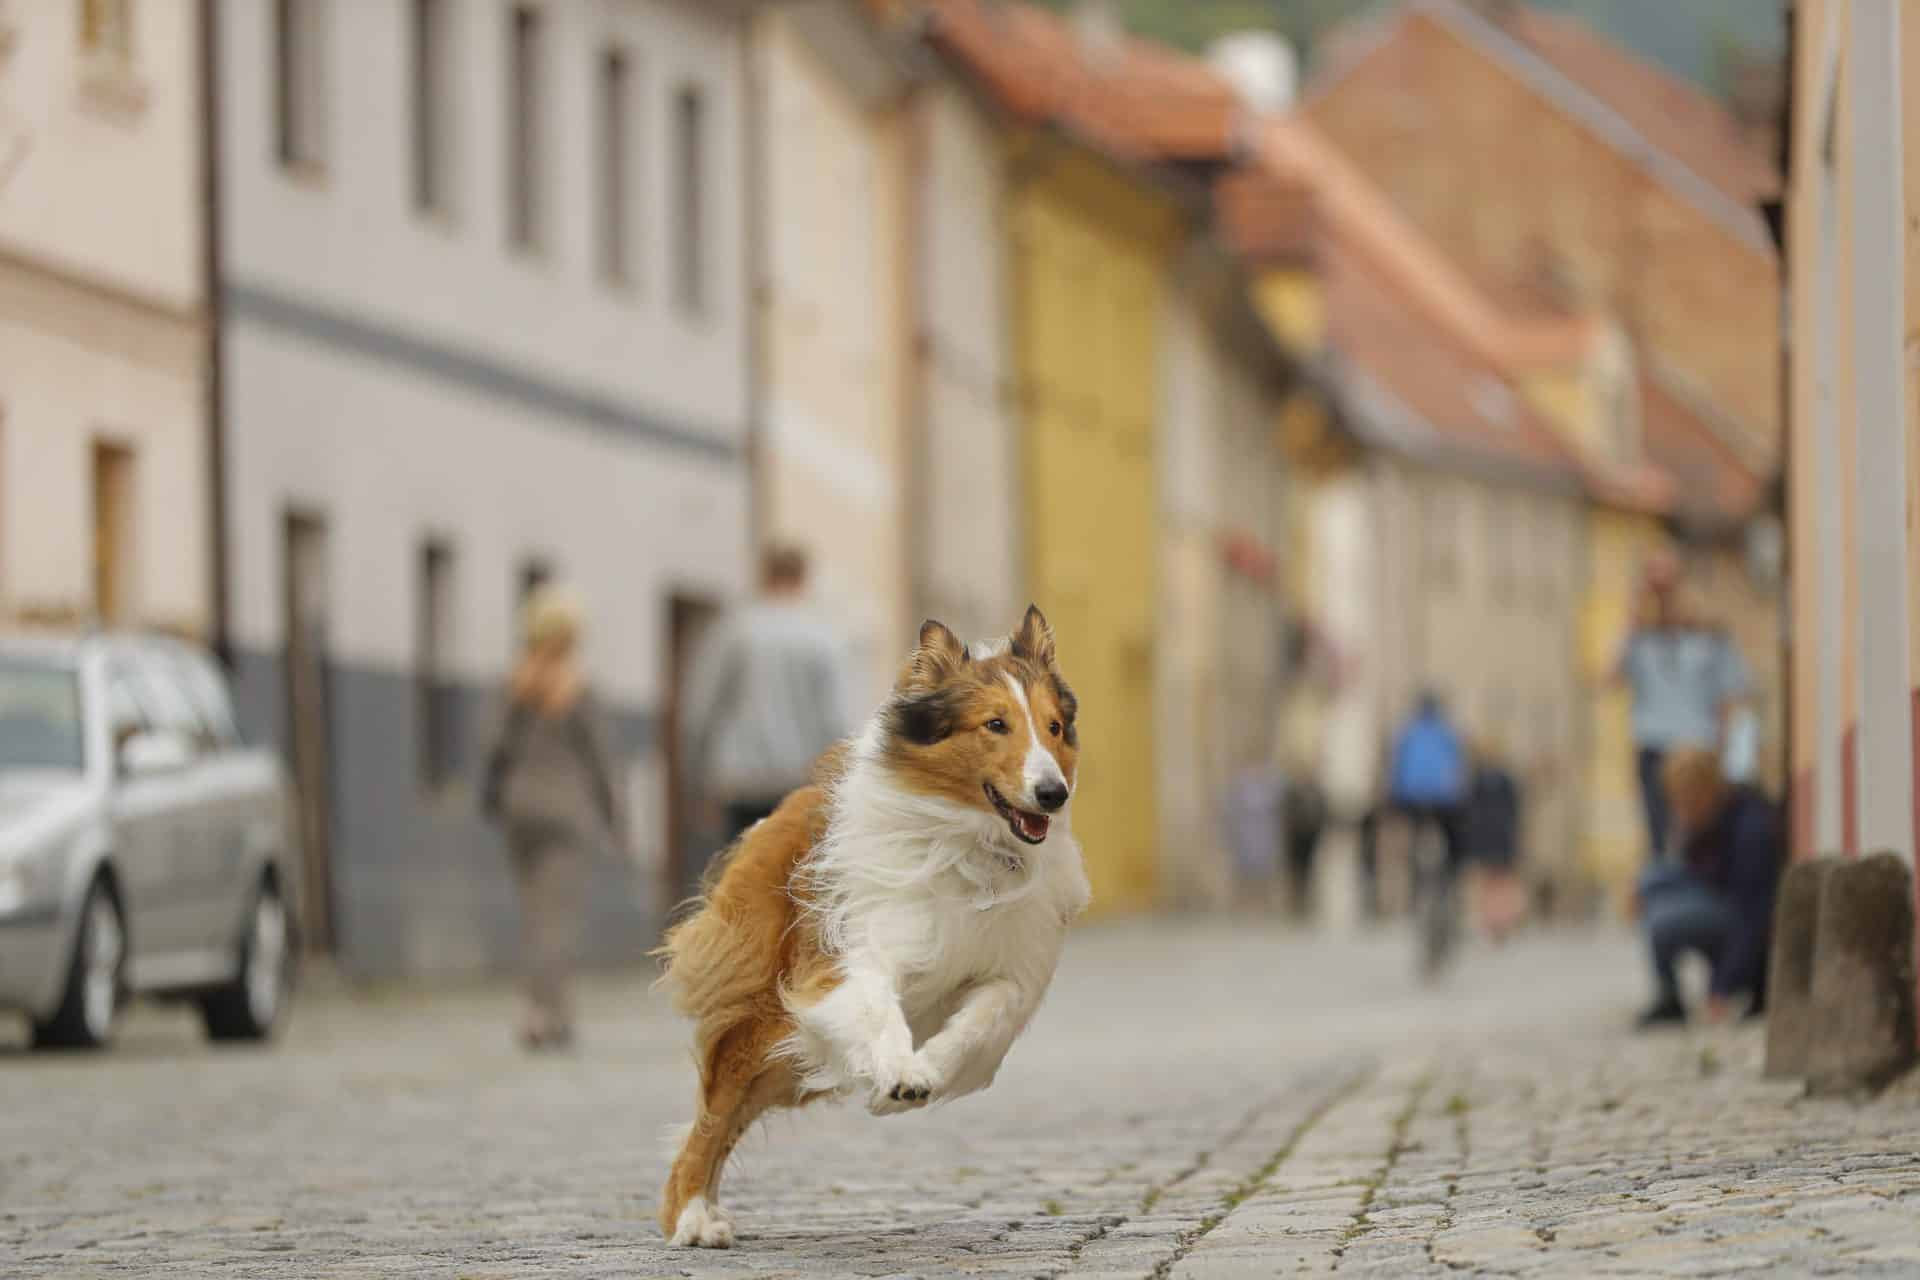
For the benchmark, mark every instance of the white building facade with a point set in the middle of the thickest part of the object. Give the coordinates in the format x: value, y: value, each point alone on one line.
x: 104, y: 453
x: 485, y: 323
x: 834, y: 259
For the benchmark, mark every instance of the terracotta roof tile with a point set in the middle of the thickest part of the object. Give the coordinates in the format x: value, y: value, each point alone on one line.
x: 1351, y: 207
x: 1709, y: 479
x: 1398, y: 314
x: 1465, y: 402
x: 1138, y: 99
x: 1677, y: 115
x: 1266, y: 218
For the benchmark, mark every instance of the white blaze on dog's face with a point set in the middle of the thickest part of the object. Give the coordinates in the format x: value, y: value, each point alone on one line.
x: 993, y: 731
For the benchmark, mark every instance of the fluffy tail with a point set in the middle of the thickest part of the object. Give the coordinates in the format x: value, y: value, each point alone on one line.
x: 725, y: 961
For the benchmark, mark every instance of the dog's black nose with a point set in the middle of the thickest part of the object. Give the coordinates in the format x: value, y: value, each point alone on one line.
x: 1051, y: 795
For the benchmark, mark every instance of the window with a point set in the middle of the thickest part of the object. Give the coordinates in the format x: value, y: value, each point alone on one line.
x: 1618, y: 397
x: 300, y: 83
x: 1439, y: 528
x: 1549, y: 547
x: 689, y: 166
x: 526, y: 131
x: 619, y: 134
x: 106, y: 29
x: 125, y: 714
x: 204, y: 684
x: 535, y: 573
x: 112, y: 530
x: 169, y: 709
x: 433, y: 104
x: 40, y: 722
x: 432, y: 666
x: 1503, y: 550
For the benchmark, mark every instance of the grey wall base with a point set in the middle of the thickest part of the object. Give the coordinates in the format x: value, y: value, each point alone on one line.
x: 420, y: 884
x: 1841, y: 998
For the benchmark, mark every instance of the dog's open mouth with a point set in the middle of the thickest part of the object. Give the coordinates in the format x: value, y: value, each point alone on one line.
x: 1029, y: 828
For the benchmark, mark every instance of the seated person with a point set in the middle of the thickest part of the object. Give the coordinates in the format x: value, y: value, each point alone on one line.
x: 1718, y: 899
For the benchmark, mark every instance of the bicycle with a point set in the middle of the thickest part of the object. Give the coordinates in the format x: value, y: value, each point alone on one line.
x: 1436, y: 910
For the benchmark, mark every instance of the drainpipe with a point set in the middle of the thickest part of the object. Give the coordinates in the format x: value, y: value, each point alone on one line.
x: 213, y: 383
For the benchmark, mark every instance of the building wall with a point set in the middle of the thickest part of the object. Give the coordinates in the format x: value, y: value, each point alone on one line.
x: 1345, y: 596
x: 405, y: 375
x: 85, y: 136
x: 1479, y: 558
x: 1217, y: 678
x: 1847, y: 796
x: 1089, y: 305
x: 1193, y: 759
x: 103, y: 328
x: 971, y: 518
x: 833, y: 344
x: 1438, y: 125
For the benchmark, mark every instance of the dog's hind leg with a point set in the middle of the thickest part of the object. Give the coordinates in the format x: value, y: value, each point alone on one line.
x: 740, y: 1082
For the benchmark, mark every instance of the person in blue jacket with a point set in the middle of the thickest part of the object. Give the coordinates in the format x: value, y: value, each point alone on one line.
x: 1717, y: 899
x: 1427, y: 781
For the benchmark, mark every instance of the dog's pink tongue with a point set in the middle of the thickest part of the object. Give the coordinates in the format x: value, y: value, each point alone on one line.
x: 1033, y: 825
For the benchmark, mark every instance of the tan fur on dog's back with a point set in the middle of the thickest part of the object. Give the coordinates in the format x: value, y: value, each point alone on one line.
x: 727, y: 965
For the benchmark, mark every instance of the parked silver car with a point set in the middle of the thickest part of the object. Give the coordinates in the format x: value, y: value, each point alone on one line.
x: 143, y: 847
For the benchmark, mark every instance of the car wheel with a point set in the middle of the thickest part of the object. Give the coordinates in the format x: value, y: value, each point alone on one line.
x: 251, y: 1006
x: 96, y: 977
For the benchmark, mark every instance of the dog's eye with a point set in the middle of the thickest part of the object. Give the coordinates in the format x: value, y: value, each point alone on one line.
x: 997, y: 725
x: 1054, y: 728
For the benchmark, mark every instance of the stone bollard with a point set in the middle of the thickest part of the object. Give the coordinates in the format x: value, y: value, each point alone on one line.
x: 1862, y: 1029
x: 1790, y: 1015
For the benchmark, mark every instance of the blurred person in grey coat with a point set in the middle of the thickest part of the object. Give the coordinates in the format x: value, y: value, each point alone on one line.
x: 550, y: 785
x: 766, y: 696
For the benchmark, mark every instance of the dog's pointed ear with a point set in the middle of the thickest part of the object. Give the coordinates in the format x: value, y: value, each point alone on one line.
x: 1034, y: 639
x: 938, y: 655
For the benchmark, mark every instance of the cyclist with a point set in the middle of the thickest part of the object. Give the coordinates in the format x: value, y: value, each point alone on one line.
x: 1428, y: 786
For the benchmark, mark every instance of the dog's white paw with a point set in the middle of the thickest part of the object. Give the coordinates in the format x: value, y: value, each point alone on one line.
x: 703, y: 1226
x: 916, y: 1083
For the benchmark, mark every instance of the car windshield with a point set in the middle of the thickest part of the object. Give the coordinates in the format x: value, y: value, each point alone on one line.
x: 40, y: 725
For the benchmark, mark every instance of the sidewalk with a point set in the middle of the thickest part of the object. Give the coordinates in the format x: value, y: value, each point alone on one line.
x: 1194, y: 1100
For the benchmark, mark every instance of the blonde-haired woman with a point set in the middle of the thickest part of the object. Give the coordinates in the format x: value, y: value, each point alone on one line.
x: 550, y: 785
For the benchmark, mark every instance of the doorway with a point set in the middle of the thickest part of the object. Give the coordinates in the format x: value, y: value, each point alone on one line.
x: 309, y: 726
x: 688, y: 619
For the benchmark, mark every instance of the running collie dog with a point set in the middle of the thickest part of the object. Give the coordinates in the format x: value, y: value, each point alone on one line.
x: 890, y: 929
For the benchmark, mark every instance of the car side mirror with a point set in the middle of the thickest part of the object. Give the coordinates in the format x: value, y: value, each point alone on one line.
x: 154, y: 752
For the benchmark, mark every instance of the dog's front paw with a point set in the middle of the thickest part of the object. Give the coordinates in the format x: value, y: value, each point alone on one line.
x: 703, y: 1226
x: 914, y: 1084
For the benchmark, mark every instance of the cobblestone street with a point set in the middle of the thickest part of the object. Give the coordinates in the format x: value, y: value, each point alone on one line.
x: 1190, y: 1103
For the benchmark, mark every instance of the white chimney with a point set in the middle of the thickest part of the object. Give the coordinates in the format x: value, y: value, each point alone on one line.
x: 1097, y: 25
x: 1261, y: 66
